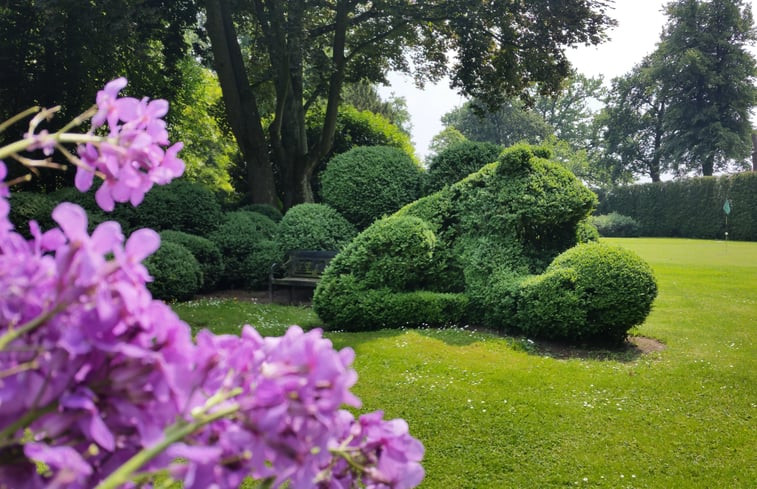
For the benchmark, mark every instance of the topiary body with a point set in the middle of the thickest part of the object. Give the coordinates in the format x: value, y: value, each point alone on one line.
x: 314, y: 227
x: 489, y: 239
x: 457, y: 161
x: 369, y: 182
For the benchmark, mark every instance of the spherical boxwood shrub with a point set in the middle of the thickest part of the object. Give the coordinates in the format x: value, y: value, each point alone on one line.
x: 176, y: 272
x: 267, y: 210
x: 240, y: 236
x: 614, y: 225
x: 205, y: 251
x: 314, y: 227
x: 28, y: 206
x: 458, y: 161
x: 586, y: 232
x: 182, y: 206
x: 368, y: 182
x: 592, y: 292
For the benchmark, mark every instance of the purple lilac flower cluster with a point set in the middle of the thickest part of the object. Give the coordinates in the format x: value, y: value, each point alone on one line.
x: 98, y: 380
x: 133, y: 156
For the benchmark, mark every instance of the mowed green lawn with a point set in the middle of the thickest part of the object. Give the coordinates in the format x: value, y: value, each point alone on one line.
x: 500, y: 413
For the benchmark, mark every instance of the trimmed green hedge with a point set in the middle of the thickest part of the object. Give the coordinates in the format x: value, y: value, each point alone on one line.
x: 368, y: 182
x: 28, y: 206
x: 614, y: 225
x: 691, y: 208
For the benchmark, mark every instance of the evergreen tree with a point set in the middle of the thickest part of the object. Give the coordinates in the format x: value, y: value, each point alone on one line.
x: 704, y: 62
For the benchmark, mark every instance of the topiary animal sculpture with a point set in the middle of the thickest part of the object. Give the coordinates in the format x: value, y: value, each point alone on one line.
x: 485, y: 250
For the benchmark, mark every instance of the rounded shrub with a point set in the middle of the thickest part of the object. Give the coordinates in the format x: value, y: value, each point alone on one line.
x: 176, y: 272
x: 592, y: 292
x: 458, y: 161
x: 182, y: 206
x: 586, y: 232
x: 240, y: 236
x: 314, y: 227
x: 395, y: 252
x: 28, y: 206
x: 368, y: 182
x: 614, y: 225
x: 205, y: 251
x: 267, y: 210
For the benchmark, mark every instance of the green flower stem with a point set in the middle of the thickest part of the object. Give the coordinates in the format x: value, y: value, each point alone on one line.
x: 21, y: 115
x: 24, y: 421
x: 35, y: 323
x: 66, y: 137
x: 173, y: 434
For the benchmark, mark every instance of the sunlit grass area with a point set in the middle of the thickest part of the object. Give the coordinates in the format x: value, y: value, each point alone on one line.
x: 498, y: 412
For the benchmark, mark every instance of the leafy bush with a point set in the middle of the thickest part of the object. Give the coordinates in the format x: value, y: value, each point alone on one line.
x: 205, y: 251
x: 182, y: 206
x: 586, y: 231
x: 592, y: 292
x: 28, y: 206
x: 241, y: 236
x: 176, y: 273
x: 314, y: 227
x: 614, y: 225
x: 267, y: 210
x: 457, y: 161
x: 395, y: 252
x: 366, y: 183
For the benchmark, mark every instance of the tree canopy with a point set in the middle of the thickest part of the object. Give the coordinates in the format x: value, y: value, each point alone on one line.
x: 307, y: 50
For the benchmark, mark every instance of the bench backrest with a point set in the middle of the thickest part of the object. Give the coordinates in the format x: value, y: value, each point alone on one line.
x: 308, y: 263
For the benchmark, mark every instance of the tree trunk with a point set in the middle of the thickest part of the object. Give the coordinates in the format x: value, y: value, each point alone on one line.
x: 241, y: 106
x: 708, y: 166
x: 754, y: 151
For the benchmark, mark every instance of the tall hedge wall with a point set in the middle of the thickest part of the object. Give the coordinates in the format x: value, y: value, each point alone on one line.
x: 690, y: 208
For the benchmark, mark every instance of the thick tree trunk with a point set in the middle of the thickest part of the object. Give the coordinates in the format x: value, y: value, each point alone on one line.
x: 754, y: 151
x: 708, y: 165
x: 241, y: 106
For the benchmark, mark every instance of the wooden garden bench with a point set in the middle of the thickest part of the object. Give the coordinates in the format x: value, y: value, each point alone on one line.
x: 303, y: 268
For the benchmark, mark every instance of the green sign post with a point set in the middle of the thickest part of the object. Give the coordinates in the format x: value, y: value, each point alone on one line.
x: 727, y: 210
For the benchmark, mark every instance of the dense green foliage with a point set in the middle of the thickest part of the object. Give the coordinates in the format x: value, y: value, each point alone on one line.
x: 27, y: 206
x: 356, y: 127
x: 177, y: 275
x: 205, y: 251
x: 245, y: 240
x: 209, y: 147
x: 690, y: 208
x: 269, y: 211
x: 592, y: 292
x: 375, y: 281
x: 181, y: 205
x: 506, y: 125
x: 457, y: 161
x: 483, y: 242
x: 614, y: 225
x: 368, y: 182
x: 314, y: 227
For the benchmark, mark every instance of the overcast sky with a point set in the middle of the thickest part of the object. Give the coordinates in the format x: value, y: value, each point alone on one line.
x: 639, y: 26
